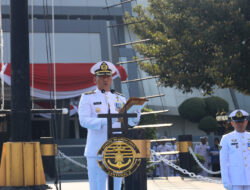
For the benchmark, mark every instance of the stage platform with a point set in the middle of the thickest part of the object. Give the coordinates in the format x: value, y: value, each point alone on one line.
x: 172, y: 183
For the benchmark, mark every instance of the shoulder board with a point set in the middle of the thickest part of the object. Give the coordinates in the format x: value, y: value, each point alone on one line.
x: 119, y: 94
x: 90, y: 92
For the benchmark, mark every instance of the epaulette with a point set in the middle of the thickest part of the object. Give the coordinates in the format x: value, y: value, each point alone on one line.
x: 90, y: 92
x: 119, y: 94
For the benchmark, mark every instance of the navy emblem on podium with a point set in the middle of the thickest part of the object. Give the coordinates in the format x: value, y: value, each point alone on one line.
x: 119, y: 157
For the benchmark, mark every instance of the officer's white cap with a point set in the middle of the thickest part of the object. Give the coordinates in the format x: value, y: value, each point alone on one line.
x: 203, y: 137
x: 238, y: 115
x: 103, y: 68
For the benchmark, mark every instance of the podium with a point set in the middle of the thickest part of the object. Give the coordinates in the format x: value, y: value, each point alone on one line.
x: 138, y: 179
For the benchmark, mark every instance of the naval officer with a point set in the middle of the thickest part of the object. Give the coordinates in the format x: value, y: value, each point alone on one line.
x: 235, y: 153
x: 203, y: 150
x: 97, y: 102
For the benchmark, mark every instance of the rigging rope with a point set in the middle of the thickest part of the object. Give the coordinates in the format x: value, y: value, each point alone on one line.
x: 2, y: 58
x: 51, y: 59
x: 54, y: 52
x: 48, y: 54
x: 158, y: 89
x: 88, y: 32
x: 116, y: 40
x: 134, y: 52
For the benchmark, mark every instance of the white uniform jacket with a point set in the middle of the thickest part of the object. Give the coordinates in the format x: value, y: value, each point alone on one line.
x: 235, y: 158
x: 203, y: 150
x: 93, y: 103
x: 164, y: 148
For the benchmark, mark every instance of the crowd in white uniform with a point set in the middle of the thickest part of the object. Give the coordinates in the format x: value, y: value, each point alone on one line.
x: 162, y: 169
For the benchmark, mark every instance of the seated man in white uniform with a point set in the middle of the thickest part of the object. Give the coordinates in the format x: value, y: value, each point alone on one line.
x: 235, y: 153
x: 97, y: 102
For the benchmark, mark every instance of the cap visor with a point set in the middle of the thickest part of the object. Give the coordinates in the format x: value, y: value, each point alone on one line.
x: 239, y: 120
x: 104, y: 74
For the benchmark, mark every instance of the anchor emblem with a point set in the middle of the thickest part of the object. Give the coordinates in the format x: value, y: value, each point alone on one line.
x: 119, y: 160
x: 119, y: 157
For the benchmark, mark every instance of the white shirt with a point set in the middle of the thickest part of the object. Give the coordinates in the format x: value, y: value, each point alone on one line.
x: 164, y: 148
x: 173, y: 147
x: 203, y: 150
x: 235, y: 158
x: 93, y: 103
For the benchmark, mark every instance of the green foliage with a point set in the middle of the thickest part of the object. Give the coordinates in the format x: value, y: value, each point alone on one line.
x: 193, y: 109
x: 151, y: 168
x: 216, y: 104
x: 149, y: 119
x: 208, y: 124
x: 195, y: 167
x: 196, y: 43
x: 203, y: 110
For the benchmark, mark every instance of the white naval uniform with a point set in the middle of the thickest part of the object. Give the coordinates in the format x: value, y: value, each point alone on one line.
x: 203, y: 150
x: 235, y: 160
x: 163, y: 168
x: 91, y: 104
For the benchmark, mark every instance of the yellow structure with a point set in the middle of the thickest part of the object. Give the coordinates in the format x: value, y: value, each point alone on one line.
x: 49, y: 149
x: 21, y: 164
x: 182, y: 146
x: 144, y: 148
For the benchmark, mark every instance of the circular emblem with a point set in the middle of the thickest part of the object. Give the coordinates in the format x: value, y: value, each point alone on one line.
x: 104, y: 66
x: 119, y: 157
x: 239, y: 114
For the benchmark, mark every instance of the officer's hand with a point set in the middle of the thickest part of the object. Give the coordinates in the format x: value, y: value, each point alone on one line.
x: 227, y: 186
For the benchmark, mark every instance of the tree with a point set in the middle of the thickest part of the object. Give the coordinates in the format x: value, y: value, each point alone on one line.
x: 196, y: 43
x: 208, y: 124
x: 193, y: 109
x: 215, y: 104
x: 203, y: 110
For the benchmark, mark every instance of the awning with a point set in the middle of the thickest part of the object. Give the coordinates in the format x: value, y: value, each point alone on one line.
x: 72, y: 79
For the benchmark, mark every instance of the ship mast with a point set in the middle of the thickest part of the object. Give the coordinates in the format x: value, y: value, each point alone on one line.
x: 20, y: 78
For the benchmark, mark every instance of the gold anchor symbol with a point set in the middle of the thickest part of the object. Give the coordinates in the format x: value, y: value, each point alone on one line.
x: 119, y: 161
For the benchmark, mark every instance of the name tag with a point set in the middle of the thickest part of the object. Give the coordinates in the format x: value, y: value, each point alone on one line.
x: 97, y: 103
x: 235, y: 144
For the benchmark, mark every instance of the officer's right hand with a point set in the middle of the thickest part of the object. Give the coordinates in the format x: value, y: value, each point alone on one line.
x: 227, y: 186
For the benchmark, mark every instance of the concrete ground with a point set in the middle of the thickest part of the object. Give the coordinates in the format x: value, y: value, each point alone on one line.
x: 173, y: 183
